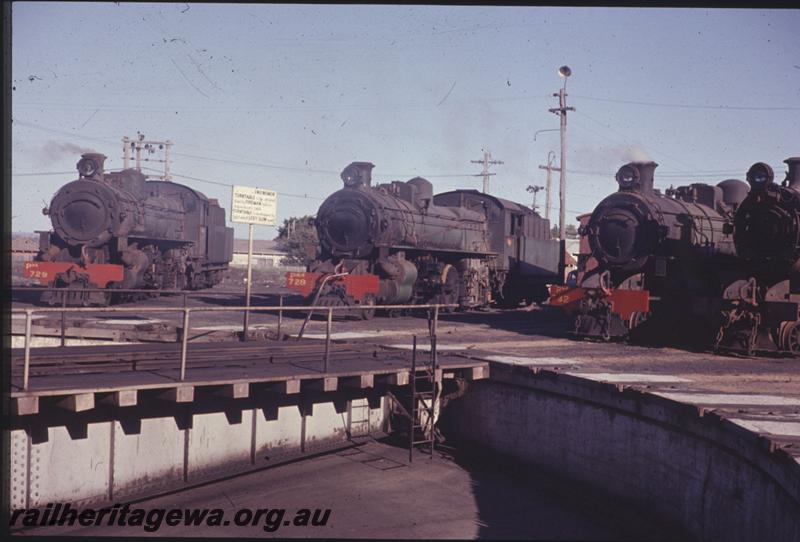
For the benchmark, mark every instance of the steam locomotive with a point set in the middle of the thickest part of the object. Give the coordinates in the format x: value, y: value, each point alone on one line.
x: 398, y: 243
x: 660, y: 260
x: 761, y: 311
x: 120, y: 231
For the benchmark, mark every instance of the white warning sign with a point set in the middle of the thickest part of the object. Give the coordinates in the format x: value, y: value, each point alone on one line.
x: 251, y: 205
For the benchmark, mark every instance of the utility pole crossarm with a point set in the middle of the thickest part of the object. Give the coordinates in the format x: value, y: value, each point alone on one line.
x: 487, y: 161
x: 534, y: 190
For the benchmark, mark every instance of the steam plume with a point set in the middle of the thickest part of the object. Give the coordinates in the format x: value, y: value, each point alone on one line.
x: 56, y: 150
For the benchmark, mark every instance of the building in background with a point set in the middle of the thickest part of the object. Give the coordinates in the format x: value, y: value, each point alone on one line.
x: 24, y: 247
x: 266, y: 255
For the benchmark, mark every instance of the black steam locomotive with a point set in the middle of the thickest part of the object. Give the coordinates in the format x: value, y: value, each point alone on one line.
x: 661, y: 260
x: 399, y: 243
x: 761, y: 312
x: 120, y: 231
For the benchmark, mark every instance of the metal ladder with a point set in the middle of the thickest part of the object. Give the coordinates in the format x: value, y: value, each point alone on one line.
x: 358, y: 419
x: 424, y: 394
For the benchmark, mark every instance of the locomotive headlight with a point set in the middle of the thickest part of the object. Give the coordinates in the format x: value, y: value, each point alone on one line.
x: 351, y: 176
x: 627, y: 176
x: 759, y: 175
x: 86, y: 167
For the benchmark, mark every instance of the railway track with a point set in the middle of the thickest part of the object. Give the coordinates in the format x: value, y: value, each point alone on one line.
x: 148, y: 357
x: 539, y: 321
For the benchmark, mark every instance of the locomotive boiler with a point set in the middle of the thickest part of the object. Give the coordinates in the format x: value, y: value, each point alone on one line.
x: 660, y: 259
x: 398, y: 243
x: 761, y: 312
x: 120, y: 231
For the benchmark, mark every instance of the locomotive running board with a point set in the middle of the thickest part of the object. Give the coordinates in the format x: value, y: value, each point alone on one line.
x: 99, y: 273
x: 623, y: 302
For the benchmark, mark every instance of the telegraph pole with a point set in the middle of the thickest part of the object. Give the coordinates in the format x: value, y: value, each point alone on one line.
x: 561, y: 111
x: 487, y: 161
x: 141, y: 145
x: 551, y: 156
x: 534, y: 190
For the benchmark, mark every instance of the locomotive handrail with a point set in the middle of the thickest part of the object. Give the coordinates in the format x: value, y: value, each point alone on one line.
x: 266, y: 308
x: 185, y: 293
x: 316, y: 298
x: 29, y: 312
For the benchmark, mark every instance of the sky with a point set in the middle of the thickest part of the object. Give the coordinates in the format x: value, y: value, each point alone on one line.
x: 285, y: 96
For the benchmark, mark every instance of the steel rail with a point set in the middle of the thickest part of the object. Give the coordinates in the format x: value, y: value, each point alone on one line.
x: 188, y: 293
x: 118, y: 362
x: 186, y: 329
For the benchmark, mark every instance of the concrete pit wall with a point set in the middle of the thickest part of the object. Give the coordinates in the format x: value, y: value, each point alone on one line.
x: 100, y: 462
x: 709, y: 476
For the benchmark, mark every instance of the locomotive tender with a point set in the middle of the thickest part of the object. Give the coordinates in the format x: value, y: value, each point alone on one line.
x: 399, y: 243
x: 762, y: 306
x: 119, y: 230
x: 661, y: 260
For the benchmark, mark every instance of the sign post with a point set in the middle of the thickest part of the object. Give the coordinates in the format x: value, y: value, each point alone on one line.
x: 251, y: 205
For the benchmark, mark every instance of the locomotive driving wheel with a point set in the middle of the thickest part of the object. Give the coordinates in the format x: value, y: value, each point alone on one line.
x: 791, y: 338
x: 369, y: 312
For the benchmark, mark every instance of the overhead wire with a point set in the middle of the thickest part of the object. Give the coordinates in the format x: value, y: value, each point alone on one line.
x: 315, y: 170
x: 433, y: 104
x: 688, y: 106
x: 221, y: 183
x: 244, y: 163
x: 688, y: 175
x: 626, y: 142
x: 40, y: 173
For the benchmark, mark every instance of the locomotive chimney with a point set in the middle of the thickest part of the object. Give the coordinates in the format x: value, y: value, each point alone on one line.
x: 358, y: 173
x: 646, y: 170
x: 91, y: 164
x: 793, y: 175
x: 637, y: 176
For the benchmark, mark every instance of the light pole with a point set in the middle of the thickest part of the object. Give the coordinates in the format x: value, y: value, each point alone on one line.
x: 534, y: 190
x: 561, y: 111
